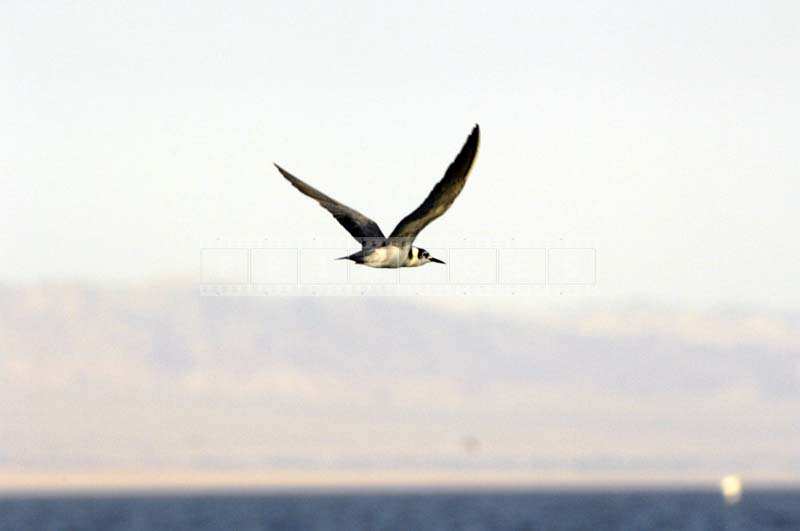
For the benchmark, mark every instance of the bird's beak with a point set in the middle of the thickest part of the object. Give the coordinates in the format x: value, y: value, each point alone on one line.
x: 432, y: 259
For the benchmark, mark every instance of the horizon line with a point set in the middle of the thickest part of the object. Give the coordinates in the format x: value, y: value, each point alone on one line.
x: 177, y: 480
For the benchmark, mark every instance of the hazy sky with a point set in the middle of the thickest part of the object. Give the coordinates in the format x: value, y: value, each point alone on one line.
x: 662, y: 134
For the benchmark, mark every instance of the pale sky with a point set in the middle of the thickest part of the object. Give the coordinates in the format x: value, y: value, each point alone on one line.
x: 661, y: 134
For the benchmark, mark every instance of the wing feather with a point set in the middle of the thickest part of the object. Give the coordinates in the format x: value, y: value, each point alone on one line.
x: 443, y: 194
x: 362, y: 228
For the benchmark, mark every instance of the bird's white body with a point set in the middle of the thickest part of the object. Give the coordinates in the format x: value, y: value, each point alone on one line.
x: 386, y: 256
x: 393, y: 256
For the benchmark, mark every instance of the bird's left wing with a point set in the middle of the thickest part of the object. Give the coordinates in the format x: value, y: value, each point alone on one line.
x: 442, y: 195
x: 363, y: 229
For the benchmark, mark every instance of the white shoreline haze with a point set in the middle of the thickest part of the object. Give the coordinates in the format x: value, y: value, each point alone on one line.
x: 158, y: 386
x: 12, y: 483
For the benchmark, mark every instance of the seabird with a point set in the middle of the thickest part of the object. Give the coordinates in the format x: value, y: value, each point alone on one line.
x: 397, y: 250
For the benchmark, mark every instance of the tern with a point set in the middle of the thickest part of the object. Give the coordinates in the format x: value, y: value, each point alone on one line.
x: 397, y: 250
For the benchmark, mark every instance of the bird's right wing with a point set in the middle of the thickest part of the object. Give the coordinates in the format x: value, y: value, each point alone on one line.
x: 363, y: 229
x: 442, y: 195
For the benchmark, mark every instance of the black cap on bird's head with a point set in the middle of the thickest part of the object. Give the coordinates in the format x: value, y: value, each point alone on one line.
x: 425, y: 255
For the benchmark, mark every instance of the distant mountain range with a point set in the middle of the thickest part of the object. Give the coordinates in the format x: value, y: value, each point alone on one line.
x: 160, y: 376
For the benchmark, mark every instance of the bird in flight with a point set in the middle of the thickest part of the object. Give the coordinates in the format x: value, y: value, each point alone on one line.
x: 397, y: 250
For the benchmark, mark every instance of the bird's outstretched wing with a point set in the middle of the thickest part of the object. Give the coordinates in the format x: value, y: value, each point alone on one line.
x: 442, y: 195
x: 363, y: 229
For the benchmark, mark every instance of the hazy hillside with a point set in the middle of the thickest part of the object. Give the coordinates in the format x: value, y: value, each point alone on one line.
x: 156, y: 376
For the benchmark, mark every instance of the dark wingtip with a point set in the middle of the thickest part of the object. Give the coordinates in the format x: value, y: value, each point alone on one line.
x: 476, y: 133
x: 474, y: 137
x: 283, y: 172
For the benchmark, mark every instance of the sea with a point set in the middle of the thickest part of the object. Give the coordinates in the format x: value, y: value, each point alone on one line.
x: 671, y: 510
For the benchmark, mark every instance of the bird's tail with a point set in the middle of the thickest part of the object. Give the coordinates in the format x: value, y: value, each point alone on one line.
x: 357, y: 257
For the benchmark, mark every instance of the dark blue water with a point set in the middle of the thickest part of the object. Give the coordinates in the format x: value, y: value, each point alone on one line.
x: 673, y: 510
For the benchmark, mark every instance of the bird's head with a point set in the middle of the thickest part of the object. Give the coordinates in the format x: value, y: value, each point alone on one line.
x: 424, y: 257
